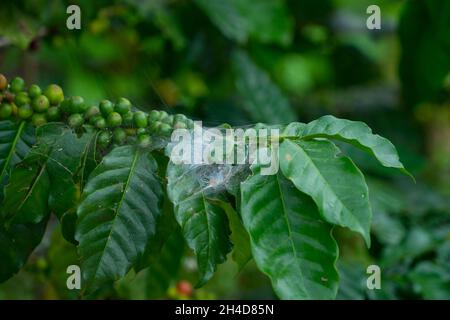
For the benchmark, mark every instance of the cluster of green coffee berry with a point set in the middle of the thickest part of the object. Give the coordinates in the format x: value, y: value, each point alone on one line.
x: 117, y: 121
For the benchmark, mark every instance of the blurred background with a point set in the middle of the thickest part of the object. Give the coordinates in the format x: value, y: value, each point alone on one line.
x: 272, y: 61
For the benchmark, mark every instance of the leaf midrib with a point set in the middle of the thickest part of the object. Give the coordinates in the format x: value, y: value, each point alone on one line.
x: 289, y: 228
x: 133, y: 164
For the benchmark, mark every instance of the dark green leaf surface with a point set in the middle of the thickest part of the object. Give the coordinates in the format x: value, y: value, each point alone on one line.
x: 356, y: 133
x: 120, y: 205
x: 26, y: 194
x: 16, y: 244
x: 15, y: 142
x: 204, y: 223
x: 290, y: 242
x: 336, y: 185
x: 66, y: 155
x: 165, y: 226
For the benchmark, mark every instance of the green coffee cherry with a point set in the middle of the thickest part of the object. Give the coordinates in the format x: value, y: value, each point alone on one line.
x: 77, y: 105
x: 168, y: 120
x: 106, y: 107
x: 155, y: 126
x: 153, y: 116
x: 104, y: 139
x: 180, y: 125
x: 55, y: 94
x: 38, y: 119
x: 22, y: 99
x: 17, y: 85
x: 100, y: 123
x: 189, y: 123
x: 119, y: 135
x: 122, y: 106
x: 34, y: 91
x: 114, y: 120
x: 92, y: 112
x: 163, y: 115
x: 65, y: 105
x: 40, y: 104
x: 53, y: 114
x: 75, y: 120
x: 144, y: 140
x: 165, y: 129
x: 25, y: 112
x: 128, y: 119
x: 94, y: 119
x: 179, y: 118
x: 140, y: 119
x: 141, y: 131
x: 6, y: 111
x: 3, y: 82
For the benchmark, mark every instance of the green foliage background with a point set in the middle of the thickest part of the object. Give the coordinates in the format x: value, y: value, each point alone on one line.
x: 272, y: 61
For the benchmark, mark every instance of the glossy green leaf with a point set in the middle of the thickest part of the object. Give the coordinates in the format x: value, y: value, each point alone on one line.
x: 290, y: 241
x: 356, y: 133
x: 116, y: 217
x: 16, y: 244
x: 204, y: 223
x: 66, y: 154
x: 15, y: 142
x: 26, y: 194
x: 165, y: 226
x: 68, y: 224
x: 261, y: 98
x: 89, y: 159
x: 334, y: 182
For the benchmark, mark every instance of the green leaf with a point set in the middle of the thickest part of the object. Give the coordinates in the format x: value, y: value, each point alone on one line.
x: 16, y: 140
x: 68, y: 224
x: 116, y: 217
x: 89, y: 160
x: 290, y: 241
x: 261, y: 98
x: 26, y: 195
x: 165, y: 226
x: 16, y: 244
x: 165, y: 266
x: 204, y: 223
x: 66, y: 156
x: 242, y: 252
x: 334, y: 182
x: 226, y: 17
x: 356, y: 133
